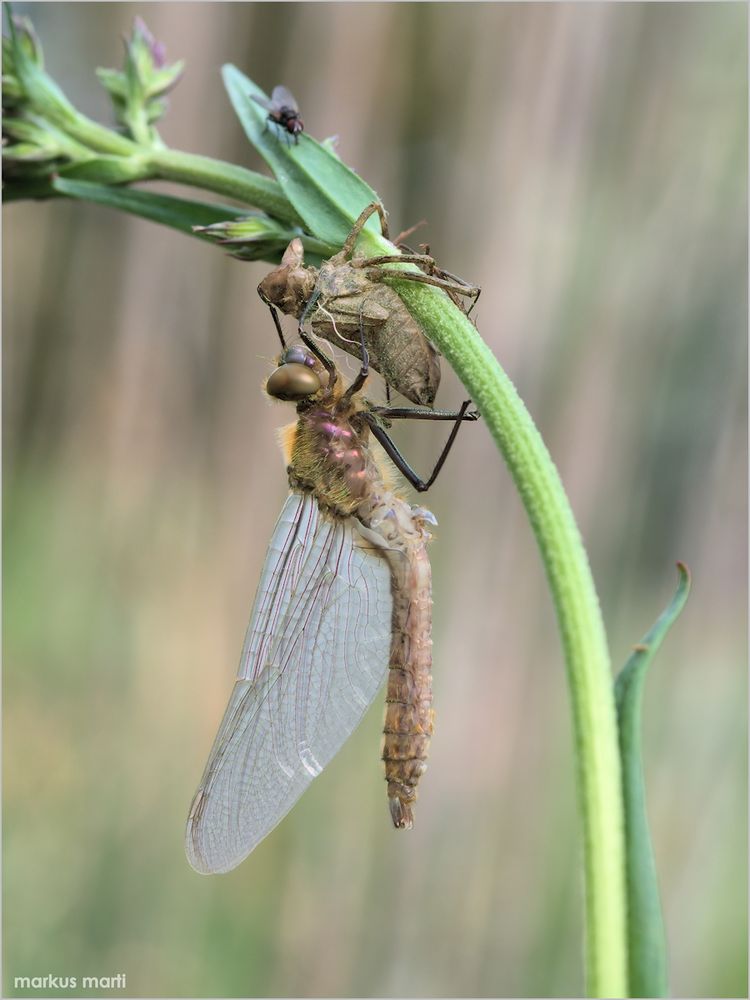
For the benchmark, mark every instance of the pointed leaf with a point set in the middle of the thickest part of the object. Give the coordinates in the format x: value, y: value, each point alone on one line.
x: 193, y: 217
x: 179, y: 213
x: 326, y: 193
x: 164, y: 79
x: 113, y: 81
x: 646, y: 939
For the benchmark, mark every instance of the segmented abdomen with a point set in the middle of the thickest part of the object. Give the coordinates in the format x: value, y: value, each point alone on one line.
x: 408, y: 712
x: 408, y: 717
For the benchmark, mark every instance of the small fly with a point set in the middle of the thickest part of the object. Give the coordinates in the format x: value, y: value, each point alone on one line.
x: 283, y: 111
x: 344, y: 599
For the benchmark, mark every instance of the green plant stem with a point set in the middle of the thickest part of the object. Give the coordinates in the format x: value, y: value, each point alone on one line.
x: 580, y: 622
x: 95, y: 137
x: 535, y: 476
x: 48, y: 101
x: 647, y: 956
x: 223, y: 178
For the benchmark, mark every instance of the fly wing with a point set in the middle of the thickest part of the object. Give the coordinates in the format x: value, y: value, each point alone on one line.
x: 284, y: 98
x: 315, y: 655
x: 264, y: 102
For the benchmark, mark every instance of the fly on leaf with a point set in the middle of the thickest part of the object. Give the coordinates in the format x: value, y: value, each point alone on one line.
x: 282, y: 111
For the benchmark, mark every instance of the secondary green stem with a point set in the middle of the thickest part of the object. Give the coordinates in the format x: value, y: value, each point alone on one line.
x: 224, y: 178
x: 48, y: 101
x: 580, y: 622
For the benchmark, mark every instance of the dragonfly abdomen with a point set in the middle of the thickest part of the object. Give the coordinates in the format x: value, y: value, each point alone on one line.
x: 409, y: 715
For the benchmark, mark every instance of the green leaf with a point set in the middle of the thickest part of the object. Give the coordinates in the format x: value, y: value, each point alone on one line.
x: 178, y: 213
x: 114, y: 82
x: 326, y: 193
x: 28, y: 152
x: 164, y: 79
x: 25, y: 129
x: 646, y: 938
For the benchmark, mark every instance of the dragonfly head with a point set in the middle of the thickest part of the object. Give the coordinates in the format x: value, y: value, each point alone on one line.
x: 296, y: 377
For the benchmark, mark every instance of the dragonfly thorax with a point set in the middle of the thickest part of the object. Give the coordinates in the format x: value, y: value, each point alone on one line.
x: 330, y: 458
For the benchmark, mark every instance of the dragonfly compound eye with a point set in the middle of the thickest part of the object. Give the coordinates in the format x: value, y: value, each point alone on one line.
x: 292, y: 381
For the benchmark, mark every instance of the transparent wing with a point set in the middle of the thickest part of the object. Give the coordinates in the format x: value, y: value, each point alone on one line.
x: 264, y: 102
x: 315, y: 655
x: 284, y: 98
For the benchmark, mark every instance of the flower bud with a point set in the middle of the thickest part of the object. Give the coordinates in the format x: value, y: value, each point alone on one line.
x: 138, y: 89
x: 23, y: 44
x: 251, y: 237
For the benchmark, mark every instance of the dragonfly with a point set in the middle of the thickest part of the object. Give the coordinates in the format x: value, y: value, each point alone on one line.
x: 349, y: 291
x: 282, y: 110
x: 344, y: 600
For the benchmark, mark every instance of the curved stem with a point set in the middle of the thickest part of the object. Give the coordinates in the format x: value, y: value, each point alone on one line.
x: 579, y: 618
x: 568, y: 572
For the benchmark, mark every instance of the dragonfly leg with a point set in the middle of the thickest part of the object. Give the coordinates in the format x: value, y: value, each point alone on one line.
x: 389, y: 446
x: 359, y: 381
x: 422, y: 413
x: 329, y: 366
x: 306, y: 339
x: 308, y: 309
x: 323, y: 358
x: 358, y: 226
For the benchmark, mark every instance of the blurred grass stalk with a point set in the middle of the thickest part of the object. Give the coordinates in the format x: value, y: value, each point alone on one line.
x: 53, y: 150
x: 647, y: 951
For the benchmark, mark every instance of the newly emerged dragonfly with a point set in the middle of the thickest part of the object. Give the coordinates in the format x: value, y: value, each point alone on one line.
x: 282, y: 110
x: 344, y: 598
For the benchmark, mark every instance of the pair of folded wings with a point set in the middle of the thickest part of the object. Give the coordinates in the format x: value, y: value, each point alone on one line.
x: 315, y: 655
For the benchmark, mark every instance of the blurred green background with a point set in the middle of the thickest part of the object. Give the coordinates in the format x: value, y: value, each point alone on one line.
x: 586, y: 165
